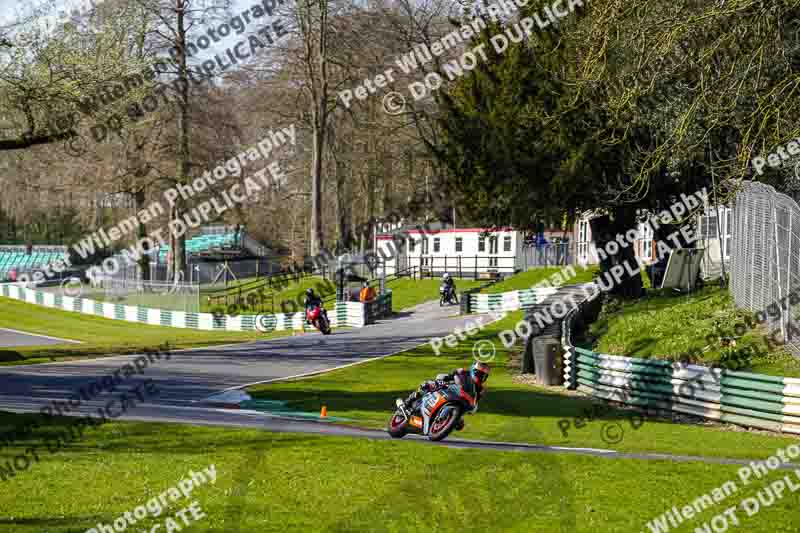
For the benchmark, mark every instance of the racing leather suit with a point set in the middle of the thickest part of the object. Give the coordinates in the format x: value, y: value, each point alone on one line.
x: 313, y: 301
x: 459, y: 376
x: 449, y: 285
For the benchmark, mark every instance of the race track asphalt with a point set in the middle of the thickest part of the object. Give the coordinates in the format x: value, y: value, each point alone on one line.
x: 188, y: 377
x: 12, y: 337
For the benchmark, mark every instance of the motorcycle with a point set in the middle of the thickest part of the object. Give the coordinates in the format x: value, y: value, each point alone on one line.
x: 319, y: 318
x: 435, y: 415
x: 447, y: 295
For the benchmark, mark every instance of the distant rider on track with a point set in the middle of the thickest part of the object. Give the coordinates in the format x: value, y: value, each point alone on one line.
x: 448, y: 283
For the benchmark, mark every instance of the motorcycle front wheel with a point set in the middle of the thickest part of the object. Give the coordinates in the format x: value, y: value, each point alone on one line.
x: 445, y: 421
x: 398, y: 425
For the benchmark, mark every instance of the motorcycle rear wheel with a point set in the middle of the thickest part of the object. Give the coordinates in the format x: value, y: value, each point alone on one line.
x: 440, y: 429
x: 398, y: 425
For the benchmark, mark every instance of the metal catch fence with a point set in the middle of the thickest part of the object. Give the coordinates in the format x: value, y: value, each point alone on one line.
x: 765, y: 258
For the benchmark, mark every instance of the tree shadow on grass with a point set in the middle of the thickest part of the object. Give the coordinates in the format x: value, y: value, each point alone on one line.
x: 73, y: 351
x: 665, y: 298
x: 637, y: 349
x: 139, y: 437
x: 8, y: 356
x: 154, y: 444
x: 500, y: 401
x: 48, y: 524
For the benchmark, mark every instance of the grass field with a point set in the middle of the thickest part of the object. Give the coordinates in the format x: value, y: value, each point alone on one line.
x: 269, y: 300
x: 286, y: 482
x: 100, y: 336
x: 408, y: 292
x: 666, y: 325
x: 263, y: 300
x: 187, y: 303
x: 529, y: 278
x: 510, y: 411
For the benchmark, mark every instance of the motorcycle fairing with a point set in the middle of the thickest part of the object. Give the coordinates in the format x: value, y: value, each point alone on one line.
x: 432, y: 401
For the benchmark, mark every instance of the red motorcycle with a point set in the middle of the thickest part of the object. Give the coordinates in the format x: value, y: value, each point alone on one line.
x: 319, y: 318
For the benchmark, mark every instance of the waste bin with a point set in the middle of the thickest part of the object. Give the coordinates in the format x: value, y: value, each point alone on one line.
x: 547, y: 361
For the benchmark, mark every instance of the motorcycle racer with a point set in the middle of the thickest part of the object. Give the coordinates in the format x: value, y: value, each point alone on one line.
x: 448, y: 282
x: 312, y: 300
x: 471, y: 381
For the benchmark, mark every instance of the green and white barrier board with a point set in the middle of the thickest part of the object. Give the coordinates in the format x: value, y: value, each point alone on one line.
x: 742, y: 398
x: 352, y: 314
x: 509, y: 301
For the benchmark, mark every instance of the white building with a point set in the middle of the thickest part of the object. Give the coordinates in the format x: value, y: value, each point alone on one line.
x: 713, y: 228
x: 462, y: 252
x: 473, y: 252
x: 645, y: 246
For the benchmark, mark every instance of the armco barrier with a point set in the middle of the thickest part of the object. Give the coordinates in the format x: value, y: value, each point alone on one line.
x: 742, y: 398
x: 351, y: 314
x: 754, y: 400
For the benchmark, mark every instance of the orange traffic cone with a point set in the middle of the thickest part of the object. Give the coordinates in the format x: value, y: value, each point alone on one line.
x: 324, y: 411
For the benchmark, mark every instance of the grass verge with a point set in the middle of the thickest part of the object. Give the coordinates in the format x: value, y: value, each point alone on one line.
x: 408, y: 292
x: 100, y: 336
x: 556, y: 275
x: 666, y: 325
x: 271, y: 300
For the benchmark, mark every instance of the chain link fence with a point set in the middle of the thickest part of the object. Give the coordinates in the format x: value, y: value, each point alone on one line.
x: 546, y: 255
x: 126, y: 286
x: 765, y: 259
x: 209, y: 273
x: 154, y: 294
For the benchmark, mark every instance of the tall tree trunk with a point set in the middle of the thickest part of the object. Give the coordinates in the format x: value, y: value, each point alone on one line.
x: 605, y: 230
x: 315, y: 40
x: 388, y: 181
x: 183, y: 169
x: 171, y: 252
x: 144, y: 260
x: 342, y: 206
x: 317, y: 238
